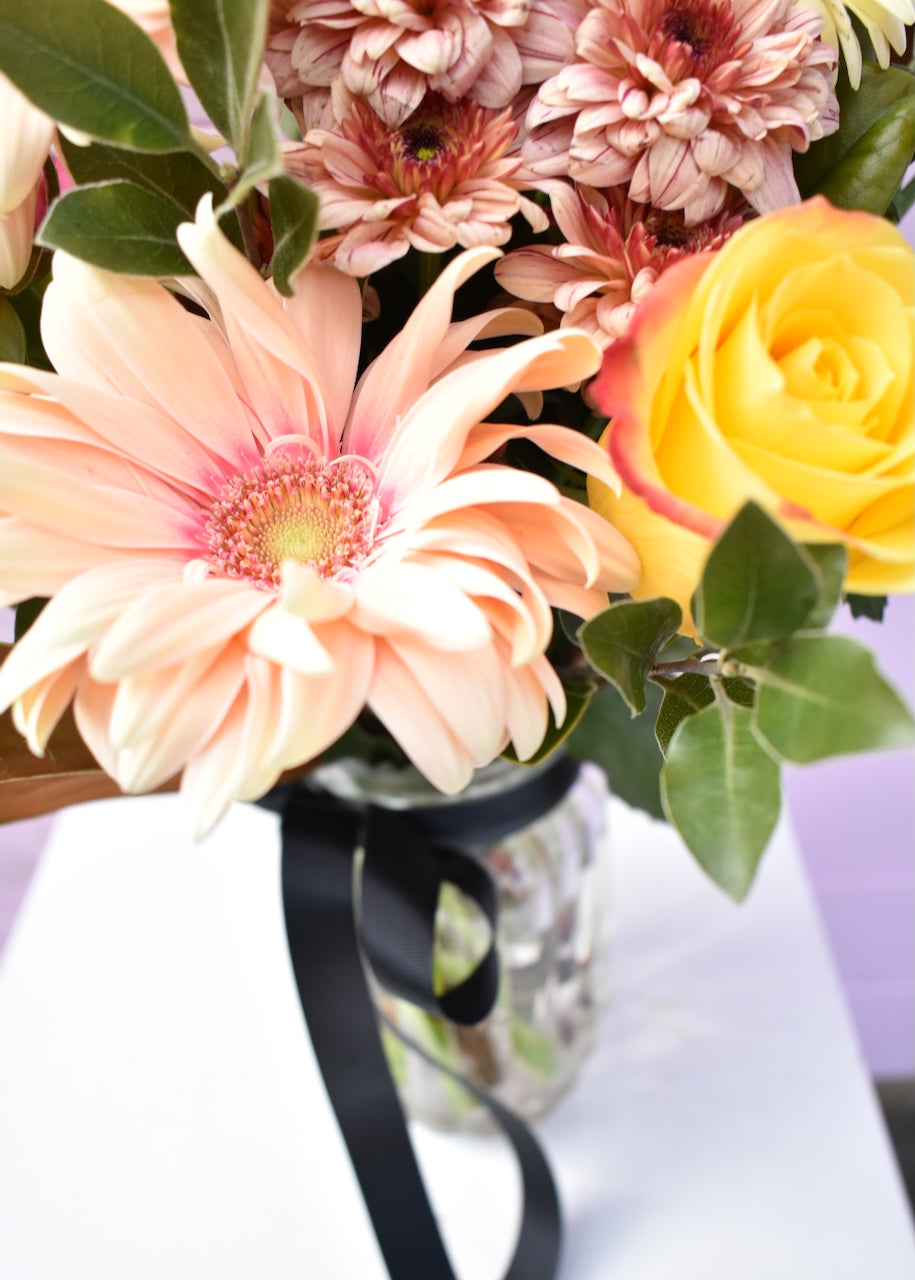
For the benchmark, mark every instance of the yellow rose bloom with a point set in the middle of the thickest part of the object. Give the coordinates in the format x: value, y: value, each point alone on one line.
x: 778, y: 369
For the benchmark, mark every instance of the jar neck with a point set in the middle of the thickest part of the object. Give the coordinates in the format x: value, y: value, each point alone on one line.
x: 392, y: 786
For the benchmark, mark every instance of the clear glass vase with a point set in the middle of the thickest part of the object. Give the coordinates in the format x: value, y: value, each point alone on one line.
x: 551, y: 878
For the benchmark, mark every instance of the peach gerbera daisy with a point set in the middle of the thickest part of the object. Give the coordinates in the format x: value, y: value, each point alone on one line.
x: 443, y: 178
x: 27, y: 134
x: 393, y: 54
x: 614, y: 251
x: 243, y: 550
x: 685, y: 99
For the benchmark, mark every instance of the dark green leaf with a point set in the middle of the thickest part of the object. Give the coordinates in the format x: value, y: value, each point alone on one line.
x: 294, y: 213
x: 13, y: 343
x: 28, y: 307
x: 822, y: 696
x: 873, y: 607
x: 120, y: 227
x: 720, y: 789
x: 179, y: 177
x: 624, y: 748
x: 862, y: 164
x: 688, y: 694
x: 221, y: 45
x: 757, y: 584
x: 830, y: 560
x: 26, y: 613
x: 624, y: 641
x: 90, y: 67
x: 578, y: 694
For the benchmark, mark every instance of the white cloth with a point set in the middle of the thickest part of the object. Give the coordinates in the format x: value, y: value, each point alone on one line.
x: 161, y: 1113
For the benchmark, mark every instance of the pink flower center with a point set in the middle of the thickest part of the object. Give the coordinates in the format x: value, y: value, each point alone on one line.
x: 693, y: 37
x: 321, y: 514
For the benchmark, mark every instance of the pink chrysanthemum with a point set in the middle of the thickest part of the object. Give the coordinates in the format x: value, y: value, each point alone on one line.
x: 243, y: 550
x: 684, y: 99
x: 614, y: 251
x: 443, y: 178
x: 393, y: 53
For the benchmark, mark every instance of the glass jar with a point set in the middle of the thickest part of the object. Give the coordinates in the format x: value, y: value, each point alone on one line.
x: 552, y: 932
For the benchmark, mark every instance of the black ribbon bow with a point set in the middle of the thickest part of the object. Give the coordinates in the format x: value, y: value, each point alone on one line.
x: 330, y: 924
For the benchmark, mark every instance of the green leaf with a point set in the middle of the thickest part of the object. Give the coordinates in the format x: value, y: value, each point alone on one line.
x: 118, y: 226
x: 822, y: 696
x: 263, y: 159
x: 873, y: 607
x: 624, y: 748
x: 757, y: 584
x: 688, y: 694
x: 294, y: 213
x: 13, y: 344
x: 178, y: 177
x: 578, y: 694
x: 221, y: 44
x: 624, y: 641
x: 26, y: 613
x: 720, y: 789
x: 830, y: 560
x: 90, y: 67
x: 862, y: 164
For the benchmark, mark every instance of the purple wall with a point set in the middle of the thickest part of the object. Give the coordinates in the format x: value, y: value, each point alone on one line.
x: 855, y: 819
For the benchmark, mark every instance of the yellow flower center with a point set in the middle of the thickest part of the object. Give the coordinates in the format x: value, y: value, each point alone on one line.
x: 321, y: 514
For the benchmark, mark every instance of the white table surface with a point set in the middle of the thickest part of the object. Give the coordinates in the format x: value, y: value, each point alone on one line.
x: 161, y: 1117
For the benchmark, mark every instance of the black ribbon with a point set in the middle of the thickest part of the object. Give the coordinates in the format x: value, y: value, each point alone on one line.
x: 330, y: 924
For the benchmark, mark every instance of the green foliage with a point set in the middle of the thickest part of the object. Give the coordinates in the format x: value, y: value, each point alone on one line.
x: 861, y: 165
x: 13, y: 343
x: 764, y: 686
x: 688, y: 694
x: 873, y: 607
x: 624, y: 748
x: 179, y: 178
x: 221, y: 43
x: 821, y: 696
x: 118, y: 226
x: 90, y: 67
x: 294, y: 213
x: 757, y: 584
x: 720, y: 789
x: 624, y: 642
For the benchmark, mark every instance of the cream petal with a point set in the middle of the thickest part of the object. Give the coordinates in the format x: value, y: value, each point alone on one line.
x: 27, y: 134
x: 403, y: 371
x: 131, y: 337
x: 34, y: 562
x: 467, y: 691
x: 209, y: 781
x: 287, y: 639
x: 428, y: 441
x: 284, y: 384
x: 315, y: 712
x: 408, y: 714
x: 399, y: 598
x: 326, y: 309
x: 37, y: 712
x: 172, y: 621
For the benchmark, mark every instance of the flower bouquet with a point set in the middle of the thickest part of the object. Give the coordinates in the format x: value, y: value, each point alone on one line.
x: 468, y: 380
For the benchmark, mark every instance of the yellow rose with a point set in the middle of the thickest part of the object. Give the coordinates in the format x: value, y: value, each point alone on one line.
x: 778, y: 369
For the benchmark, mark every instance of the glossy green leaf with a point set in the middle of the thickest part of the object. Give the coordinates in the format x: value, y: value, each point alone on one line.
x: 688, y: 694
x: 26, y: 613
x: 822, y: 696
x: 90, y: 67
x: 830, y: 560
x: 221, y: 45
x: 118, y: 226
x: 623, y: 643
x: 721, y: 790
x: 625, y: 749
x: 757, y: 584
x: 873, y: 607
x: 862, y: 164
x: 294, y: 214
x: 178, y: 177
x: 13, y: 344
